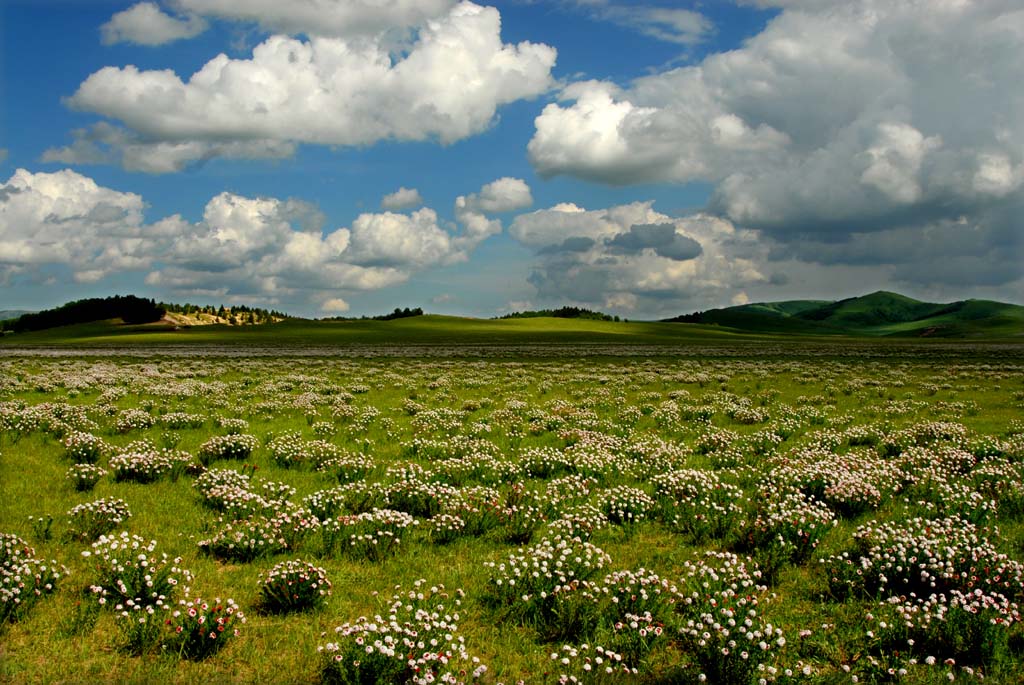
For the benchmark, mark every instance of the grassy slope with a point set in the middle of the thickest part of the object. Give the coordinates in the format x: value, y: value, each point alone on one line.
x: 877, y: 315
x: 422, y: 330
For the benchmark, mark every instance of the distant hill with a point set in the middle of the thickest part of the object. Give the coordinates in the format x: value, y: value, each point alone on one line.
x: 6, y: 314
x: 878, y: 314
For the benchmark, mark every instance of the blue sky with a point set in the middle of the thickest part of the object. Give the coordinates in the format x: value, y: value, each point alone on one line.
x: 641, y: 158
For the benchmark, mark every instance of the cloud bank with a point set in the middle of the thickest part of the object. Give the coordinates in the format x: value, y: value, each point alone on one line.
x: 843, y: 131
x: 260, y: 248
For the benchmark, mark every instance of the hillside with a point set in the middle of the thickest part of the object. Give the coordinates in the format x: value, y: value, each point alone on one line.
x: 877, y: 314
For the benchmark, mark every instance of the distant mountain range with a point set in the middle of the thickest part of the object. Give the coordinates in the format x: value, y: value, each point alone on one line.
x: 878, y: 314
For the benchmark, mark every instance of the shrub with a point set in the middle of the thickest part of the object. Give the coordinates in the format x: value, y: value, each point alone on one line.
x: 524, y: 585
x: 417, y: 641
x: 23, y: 578
x: 246, y: 540
x: 143, y: 463
x: 192, y: 629
x: 85, y: 476
x: 133, y: 419
x: 84, y: 448
x: 373, y: 535
x: 294, y: 586
x: 128, y: 569
x: 230, y: 446
x: 90, y: 520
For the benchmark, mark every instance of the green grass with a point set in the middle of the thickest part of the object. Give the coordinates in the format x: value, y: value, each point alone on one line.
x: 615, y: 402
x: 430, y: 330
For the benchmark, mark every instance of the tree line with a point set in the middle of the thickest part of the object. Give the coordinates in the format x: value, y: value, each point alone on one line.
x: 562, y: 313
x: 128, y: 308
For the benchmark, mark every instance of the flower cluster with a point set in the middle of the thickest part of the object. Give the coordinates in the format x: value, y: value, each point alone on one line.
x: 373, y: 535
x: 698, y: 503
x: 23, y: 578
x: 179, y: 419
x: 142, y: 463
x: 246, y: 539
x: 90, y: 520
x: 290, y: 450
x: 625, y: 505
x: 525, y: 584
x: 84, y: 448
x: 294, y: 586
x: 922, y: 557
x: 231, y: 446
x: 127, y: 568
x: 416, y: 641
x: 133, y: 419
x: 196, y: 629
x: 85, y: 476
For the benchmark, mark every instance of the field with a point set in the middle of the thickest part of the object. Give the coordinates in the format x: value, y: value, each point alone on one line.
x: 723, y: 512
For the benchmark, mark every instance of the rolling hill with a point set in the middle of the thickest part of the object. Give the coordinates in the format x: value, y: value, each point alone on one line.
x: 877, y: 314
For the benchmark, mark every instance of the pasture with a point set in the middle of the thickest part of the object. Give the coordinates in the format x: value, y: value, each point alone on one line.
x: 742, y: 513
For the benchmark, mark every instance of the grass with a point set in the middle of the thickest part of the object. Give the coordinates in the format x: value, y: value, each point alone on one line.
x: 429, y: 330
x: 552, y: 402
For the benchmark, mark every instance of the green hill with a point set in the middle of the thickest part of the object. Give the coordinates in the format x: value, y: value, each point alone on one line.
x: 877, y: 314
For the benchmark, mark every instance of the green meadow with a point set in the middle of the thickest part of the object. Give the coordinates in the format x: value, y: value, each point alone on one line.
x: 568, y: 501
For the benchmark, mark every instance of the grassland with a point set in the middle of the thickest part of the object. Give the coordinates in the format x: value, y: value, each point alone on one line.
x: 656, y: 461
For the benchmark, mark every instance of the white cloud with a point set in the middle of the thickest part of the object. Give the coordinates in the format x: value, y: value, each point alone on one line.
x: 343, y: 19
x: 391, y: 239
x: 260, y: 248
x: 670, y: 24
x: 503, y: 195
x: 839, y: 117
x: 330, y: 91
x: 634, y: 258
x: 334, y: 305
x: 403, y: 198
x: 104, y: 143
x: 145, y: 24
x: 506, y: 194
x: 67, y: 218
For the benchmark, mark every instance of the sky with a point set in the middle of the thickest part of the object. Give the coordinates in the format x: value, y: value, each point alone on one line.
x: 646, y: 158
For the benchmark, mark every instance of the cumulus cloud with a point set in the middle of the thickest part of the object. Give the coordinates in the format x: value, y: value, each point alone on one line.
x: 403, y: 198
x: 447, y: 86
x: 145, y: 24
x: 634, y: 258
x: 334, y: 305
x: 503, y: 195
x: 506, y: 194
x: 67, y: 218
x: 839, y: 118
x: 345, y: 19
x: 262, y: 248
